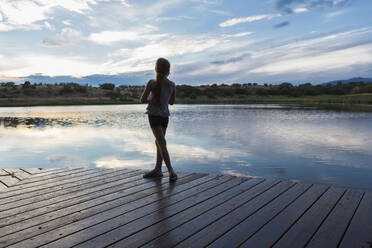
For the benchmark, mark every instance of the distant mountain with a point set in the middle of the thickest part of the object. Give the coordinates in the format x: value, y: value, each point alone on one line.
x: 356, y: 79
x: 135, y: 78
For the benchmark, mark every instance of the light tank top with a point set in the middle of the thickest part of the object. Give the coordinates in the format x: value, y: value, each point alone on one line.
x: 161, y: 109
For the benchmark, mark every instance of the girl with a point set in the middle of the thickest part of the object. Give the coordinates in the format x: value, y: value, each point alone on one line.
x: 158, y: 94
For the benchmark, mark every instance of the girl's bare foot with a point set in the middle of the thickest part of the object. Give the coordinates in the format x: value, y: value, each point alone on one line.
x: 153, y: 174
x: 172, y: 176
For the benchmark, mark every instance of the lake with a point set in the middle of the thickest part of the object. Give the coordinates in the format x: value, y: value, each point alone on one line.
x: 271, y: 141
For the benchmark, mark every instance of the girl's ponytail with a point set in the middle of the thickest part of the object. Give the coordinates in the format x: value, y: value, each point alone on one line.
x: 162, y: 69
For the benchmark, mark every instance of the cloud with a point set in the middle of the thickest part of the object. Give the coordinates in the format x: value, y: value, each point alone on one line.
x: 48, y: 25
x: 21, y: 15
x: 237, y: 35
x: 266, y: 60
x: 125, y: 60
x: 235, y: 21
x: 67, y: 36
x: 52, y: 65
x: 322, y: 62
x: 67, y: 22
x: 4, y: 78
x: 300, y: 10
x: 230, y: 60
x: 307, y: 60
x: 334, y: 14
x: 109, y: 37
x: 125, y: 2
x: 142, y: 57
x: 205, y: 6
x: 219, y: 12
x: 286, y: 6
x: 78, y: 6
x: 282, y: 24
x: 173, y: 18
x: 25, y: 14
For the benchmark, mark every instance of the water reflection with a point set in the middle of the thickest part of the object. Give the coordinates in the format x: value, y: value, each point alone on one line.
x: 258, y: 140
x: 31, y: 122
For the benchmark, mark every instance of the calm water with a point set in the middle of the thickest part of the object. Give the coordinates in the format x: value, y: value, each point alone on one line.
x: 272, y: 141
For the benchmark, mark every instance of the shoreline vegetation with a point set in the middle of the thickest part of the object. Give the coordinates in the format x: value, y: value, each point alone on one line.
x: 354, y: 96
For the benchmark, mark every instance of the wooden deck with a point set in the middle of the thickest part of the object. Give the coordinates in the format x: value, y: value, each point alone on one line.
x: 118, y: 208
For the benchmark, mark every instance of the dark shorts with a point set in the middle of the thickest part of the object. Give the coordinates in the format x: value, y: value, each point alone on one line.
x: 156, y: 121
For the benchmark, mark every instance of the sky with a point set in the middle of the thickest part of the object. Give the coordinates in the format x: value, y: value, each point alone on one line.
x: 206, y: 41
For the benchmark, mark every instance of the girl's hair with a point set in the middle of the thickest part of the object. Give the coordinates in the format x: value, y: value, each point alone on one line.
x: 162, y: 69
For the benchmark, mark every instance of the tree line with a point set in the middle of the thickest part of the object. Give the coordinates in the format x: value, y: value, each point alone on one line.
x: 10, y: 89
x: 283, y: 89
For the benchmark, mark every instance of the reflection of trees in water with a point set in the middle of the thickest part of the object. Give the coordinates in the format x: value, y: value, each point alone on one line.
x: 37, y: 122
x: 32, y: 122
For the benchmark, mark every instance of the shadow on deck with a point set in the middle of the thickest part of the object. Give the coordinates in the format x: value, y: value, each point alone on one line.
x: 86, y: 207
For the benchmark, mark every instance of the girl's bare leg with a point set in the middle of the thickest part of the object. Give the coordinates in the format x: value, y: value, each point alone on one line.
x: 162, y: 148
x: 159, y: 159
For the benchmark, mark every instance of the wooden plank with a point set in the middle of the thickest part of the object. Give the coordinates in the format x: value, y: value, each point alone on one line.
x: 35, y: 171
x: 93, y: 182
x: 272, y: 231
x: 224, y: 224
x: 185, y: 230
x: 2, y: 186
x: 51, y: 174
x: 334, y: 226
x: 306, y: 226
x: 44, y: 217
x: 32, y: 171
x: 52, y: 185
x: 240, y: 232
x: 20, y: 192
x: 39, y: 179
x: 123, y: 232
x: 78, y: 218
x: 50, y: 171
x: 359, y: 233
x: 47, y: 170
x: 26, y: 171
x: 158, y: 213
x: 18, y: 173
x: 87, y: 208
x: 3, y: 172
x: 24, y: 212
x: 157, y: 229
x: 95, y: 225
x: 41, y: 182
x: 8, y: 179
x: 62, y: 184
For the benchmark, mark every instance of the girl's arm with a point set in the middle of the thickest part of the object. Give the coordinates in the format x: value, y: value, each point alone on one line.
x: 146, y: 93
x: 173, y: 96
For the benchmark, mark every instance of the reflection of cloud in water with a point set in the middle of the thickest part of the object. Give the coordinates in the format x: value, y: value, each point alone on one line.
x: 67, y: 161
x: 119, y: 140
x: 243, y: 163
x: 237, y: 173
x: 112, y: 162
x: 233, y: 173
x: 326, y: 144
x: 325, y: 136
x: 234, y: 138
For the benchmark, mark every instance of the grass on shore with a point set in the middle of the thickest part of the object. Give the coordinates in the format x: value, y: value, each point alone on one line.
x: 354, y: 102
